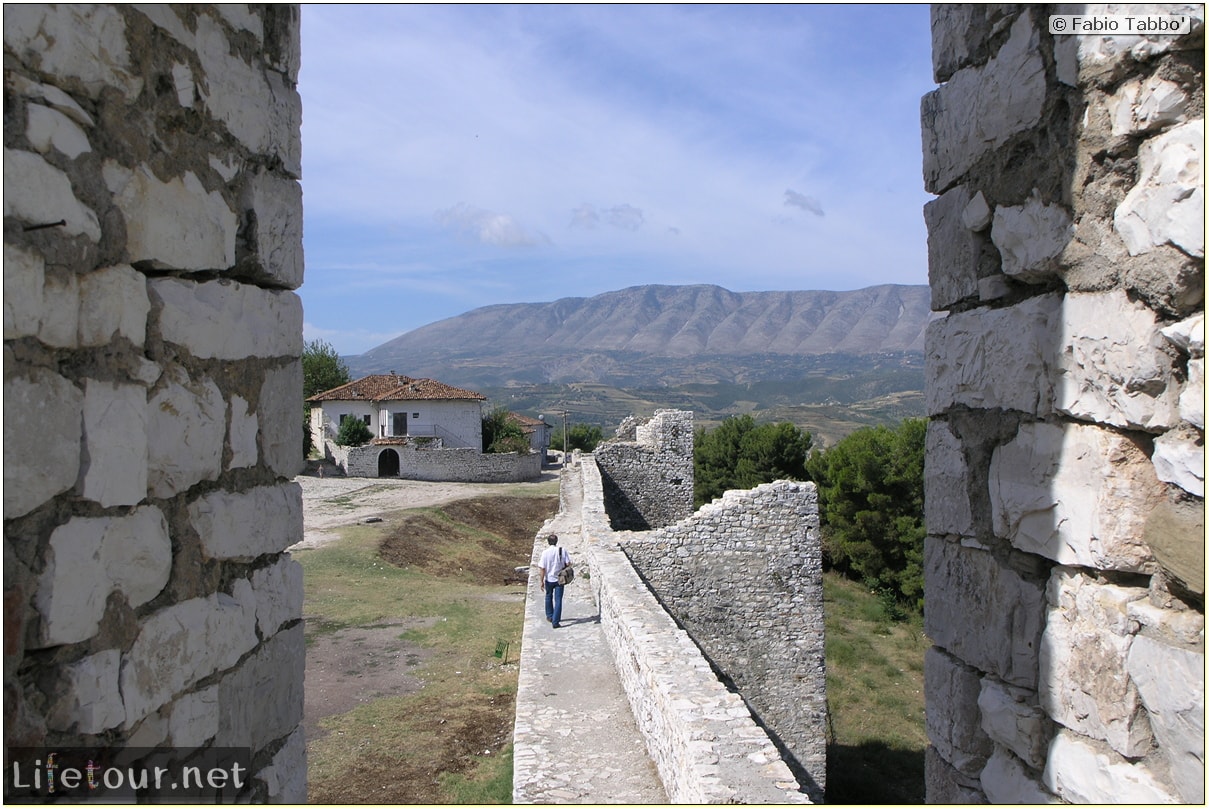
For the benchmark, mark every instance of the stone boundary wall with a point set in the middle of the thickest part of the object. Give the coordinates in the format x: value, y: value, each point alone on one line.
x: 460, y: 464
x: 152, y: 381
x: 744, y: 576
x: 648, y: 470
x: 1064, y: 564
x: 701, y: 736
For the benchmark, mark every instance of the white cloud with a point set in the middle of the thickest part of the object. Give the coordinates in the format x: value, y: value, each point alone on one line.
x: 796, y: 200
x: 488, y: 227
x: 624, y: 216
x: 585, y: 216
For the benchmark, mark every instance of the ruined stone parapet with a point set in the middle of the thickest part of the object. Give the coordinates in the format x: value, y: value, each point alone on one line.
x: 648, y: 470
x: 152, y: 381
x: 1064, y: 566
x: 701, y: 736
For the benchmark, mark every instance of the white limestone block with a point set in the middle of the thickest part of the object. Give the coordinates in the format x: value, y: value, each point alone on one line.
x: 1098, y: 52
x: 947, y: 507
x: 1077, y: 494
x: 1171, y: 682
x: 994, y: 358
x: 280, y: 413
x: 1083, y: 652
x: 1179, y: 458
x: 1188, y: 335
x: 184, y: 643
x: 42, y: 425
x: 58, y: 326
x: 285, y: 777
x: 151, y: 732
x: 114, y: 472
x: 88, y: 698
x: 186, y: 88
x: 1005, y: 780
x: 194, y: 718
x: 186, y: 426
x: 1192, y: 400
x: 91, y: 557
x: 241, y: 434
x: 274, y: 204
x: 113, y: 302
x: 1143, y: 106
x: 981, y: 107
x: 1167, y: 205
x: 174, y: 225
x: 227, y: 320
x: 269, y: 683
x: 162, y: 15
x: 1012, y: 717
x: 1112, y: 369
x: 983, y: 613
x: 52, y: 97
x: 951, y: 693
x: 80, y: 41
x: 24, y: 276
x: 49, y: 129
x: 38, y: 193
x: 952, y: 249
x: 1080, y: 771
x: 244, y: 525
x: 278, y: 594
x: 1030, y: 236
x: 977, y: 213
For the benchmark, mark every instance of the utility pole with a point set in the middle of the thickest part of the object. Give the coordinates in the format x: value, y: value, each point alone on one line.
x: 566, y: 441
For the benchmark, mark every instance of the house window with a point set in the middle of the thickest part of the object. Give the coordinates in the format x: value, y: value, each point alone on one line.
x: 415, y: 415
x: 367, y: 419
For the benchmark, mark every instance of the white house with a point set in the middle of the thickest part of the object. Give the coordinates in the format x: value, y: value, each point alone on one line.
x: 397, y: 407
x: 536, y: 430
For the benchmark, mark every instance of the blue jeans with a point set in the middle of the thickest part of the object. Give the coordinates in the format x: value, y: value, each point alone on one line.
x: 554, y: 602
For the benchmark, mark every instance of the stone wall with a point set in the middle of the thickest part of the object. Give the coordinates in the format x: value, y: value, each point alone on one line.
x: 743, y: 575
x: 648, y: 471
x: 703, y: 739
x: 1064, y: 564
x: 425, y: 462
x: 152, y: 381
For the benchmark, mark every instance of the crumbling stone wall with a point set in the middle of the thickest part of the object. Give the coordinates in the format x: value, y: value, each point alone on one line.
x: 647, y: 471
x: 152, y: 381
x: 1064, y: 564
x: 744, y: 576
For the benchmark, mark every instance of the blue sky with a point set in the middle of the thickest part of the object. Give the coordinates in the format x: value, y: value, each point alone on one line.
x: 460, y: 156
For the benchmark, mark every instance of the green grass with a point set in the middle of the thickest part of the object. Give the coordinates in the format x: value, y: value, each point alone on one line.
x: 875, y: 753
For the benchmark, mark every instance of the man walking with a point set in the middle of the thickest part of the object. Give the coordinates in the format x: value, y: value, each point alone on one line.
x: 553, y: 560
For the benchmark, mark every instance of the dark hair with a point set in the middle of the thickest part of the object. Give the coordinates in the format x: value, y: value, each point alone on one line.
x: 552, y: 539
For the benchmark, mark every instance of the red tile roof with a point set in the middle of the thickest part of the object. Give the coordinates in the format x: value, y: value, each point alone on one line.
x: 392, y: 387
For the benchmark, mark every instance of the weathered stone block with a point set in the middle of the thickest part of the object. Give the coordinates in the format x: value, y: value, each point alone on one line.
x: 1030, y: 236
x: 1171, y: 682
x: 1074, y: 493
x: 184, y: 643
x: 951, y: 693
x: 186, y: 426
x: 980, y: 108
x: 1139, y: 106
x: 1005, y: 779
x: 977, y: 213
x: 994, y: 358
x: 943, y: 784
x: 85, y: 42
x: 960, y: 32
x: 273, y: 205
x: 87, y: 695
x: 114, y: 470
x: 280, y: 413
x: 46, y: 194
x: 1083, y: 654
x: 89, y: 558
x: 227, y: 320
x: 1192, y: 399
x: 952, y: 249
x: 1079, y: 770
x: 58, y: 326
x: 285, y: 778
x: 1167, y: 205
x: 24, y: 276
x: 194, y: 718
x: 947, y: 508
x: 241, y: 434
x: 1012, y: 718
x: 278, y: 595
x: 52, y: 97
x: 113, y: 303
x: 983, y: 613
x: 244, y: 525
x: 1179, y: 458
x: 1175, y: 533
x: 1112, y: 369
x: 42, y: 425
x: 174, y: 225
x: 264, y: 695
x: 49, y: 129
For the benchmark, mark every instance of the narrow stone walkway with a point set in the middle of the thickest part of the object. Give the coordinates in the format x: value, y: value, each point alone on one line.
x: 575, y: 739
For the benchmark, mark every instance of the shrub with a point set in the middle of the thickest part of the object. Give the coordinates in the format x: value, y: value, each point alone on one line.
x: 353, y: 432
x: 501, y: 433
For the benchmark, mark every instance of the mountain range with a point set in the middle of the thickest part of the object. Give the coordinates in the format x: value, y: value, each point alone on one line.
x: 658, y: 336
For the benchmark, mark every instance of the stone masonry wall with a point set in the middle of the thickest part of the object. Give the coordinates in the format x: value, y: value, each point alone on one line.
x: 743, y: 575
x: 648, y: 471
x: 152, y: 381
x: 440, y: 464
x: 700, y: 735
x: 1064, y: 564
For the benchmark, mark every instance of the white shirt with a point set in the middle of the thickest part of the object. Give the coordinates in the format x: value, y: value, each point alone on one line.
x: 553, y: 560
